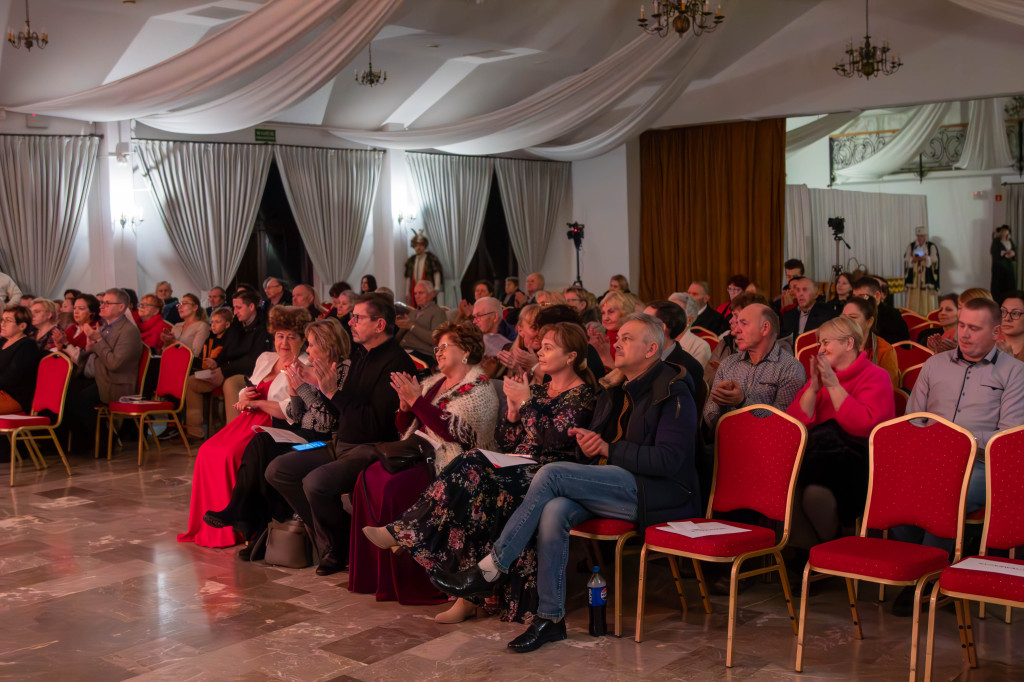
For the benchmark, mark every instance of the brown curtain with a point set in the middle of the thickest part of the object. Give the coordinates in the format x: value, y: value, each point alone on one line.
x: 712, y: 206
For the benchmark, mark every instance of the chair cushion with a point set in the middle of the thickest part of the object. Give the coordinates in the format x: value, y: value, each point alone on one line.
x: 878, y: 558
x: 976, y: 516
x: 28, y: 421
x: 729, y: 545
x: 604, y: 527
x: 141, y: 408
x: 984, y: 583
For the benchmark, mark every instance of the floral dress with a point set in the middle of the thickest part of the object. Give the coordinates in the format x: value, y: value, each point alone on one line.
x: 456, y: 520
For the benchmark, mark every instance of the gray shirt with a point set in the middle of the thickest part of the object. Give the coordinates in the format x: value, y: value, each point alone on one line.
x: 424, y: 322
x: 984, y: 397
x: 775, y: 381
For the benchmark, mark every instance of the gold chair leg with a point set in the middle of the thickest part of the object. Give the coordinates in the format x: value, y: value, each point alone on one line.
x: 733, y: 608
x: 60, y: 450
x: 852, y: 597
x: 702, y: 585
x: 641, y: 585
x: 188, y: 448
x: 110, y: 436
x: 142, y: 436
x: 801, y: 630
x: 786, y: 591
x: 678, y: 578
x: 618, y: 583
x: 14, y: 451
x: 96, y: 445
x: 929, y: 649
x: 915, y: 629
x: 972, y: 652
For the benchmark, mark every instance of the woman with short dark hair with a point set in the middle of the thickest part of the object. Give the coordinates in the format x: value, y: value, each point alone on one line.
x: 19, y: 360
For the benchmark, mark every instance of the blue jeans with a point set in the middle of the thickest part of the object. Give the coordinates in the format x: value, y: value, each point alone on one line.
x: 975, y: 501
x: 562, y: 495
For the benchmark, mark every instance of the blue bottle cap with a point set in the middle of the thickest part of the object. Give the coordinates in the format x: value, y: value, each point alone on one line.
x: 597, y: 569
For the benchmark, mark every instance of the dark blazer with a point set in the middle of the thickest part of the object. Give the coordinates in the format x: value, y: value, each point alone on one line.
x: 820, y: 312
x: 680, y: 357
x: 242, y: 345
x: 890, y: 324
x: 117, y: 360
x: 711, y: 320
x: 657, y: 446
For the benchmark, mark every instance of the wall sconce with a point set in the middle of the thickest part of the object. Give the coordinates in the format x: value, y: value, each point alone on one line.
x: 133, y: 218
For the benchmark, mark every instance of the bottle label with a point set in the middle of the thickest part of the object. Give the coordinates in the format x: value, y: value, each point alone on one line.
x: 597, y: 596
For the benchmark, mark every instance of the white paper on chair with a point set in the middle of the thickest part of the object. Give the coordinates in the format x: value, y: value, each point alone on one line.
x: 499, y: 459
x: 204, y: 374
x: 981, y: 564
x: 136, y: 400
x: 690, y: 529
x: 280, y: 435
x: 17, y: 416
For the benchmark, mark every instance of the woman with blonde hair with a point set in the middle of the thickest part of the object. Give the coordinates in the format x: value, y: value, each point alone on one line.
x: 44, y: 319
x: 615, y: 306
x: 521, y: 354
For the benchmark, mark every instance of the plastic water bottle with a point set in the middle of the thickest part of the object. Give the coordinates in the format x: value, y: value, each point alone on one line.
x: 597, y: 597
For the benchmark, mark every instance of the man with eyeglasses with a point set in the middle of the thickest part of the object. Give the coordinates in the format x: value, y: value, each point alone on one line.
x: 111, y: 356
x: 1012, y: 339
x: 170, y: 310
x: 276, y: 294
x: 975, y: 386
x: 313, y: 481
x: 487, y: 318
x: 416, y: 330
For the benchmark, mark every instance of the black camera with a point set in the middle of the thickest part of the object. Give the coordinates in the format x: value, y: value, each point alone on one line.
x: 838, y: 225
x: 575, y: 233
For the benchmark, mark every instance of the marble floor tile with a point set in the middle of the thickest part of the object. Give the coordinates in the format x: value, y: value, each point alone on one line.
x: 95, y: 586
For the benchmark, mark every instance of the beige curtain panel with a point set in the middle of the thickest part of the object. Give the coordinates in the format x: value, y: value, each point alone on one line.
x: 535, y: 195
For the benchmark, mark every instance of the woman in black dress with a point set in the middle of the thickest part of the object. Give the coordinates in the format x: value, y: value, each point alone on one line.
x: 1004, y: 263
x: 19, y: 360
x: 456, y: 521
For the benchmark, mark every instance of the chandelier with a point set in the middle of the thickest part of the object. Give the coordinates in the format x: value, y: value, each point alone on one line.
x: 867, y: 60
x: 680, y: 16
x: 371, y: 77
x: 28, y: 37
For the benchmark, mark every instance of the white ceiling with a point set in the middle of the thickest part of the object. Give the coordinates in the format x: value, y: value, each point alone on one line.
x: 450, y: 59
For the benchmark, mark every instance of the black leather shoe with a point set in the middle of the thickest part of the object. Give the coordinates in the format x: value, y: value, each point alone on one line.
x: 245, y: 553
x: 329, y: 566
x: 466, y: 584
x: 540, y: 632
x: 217, y: 519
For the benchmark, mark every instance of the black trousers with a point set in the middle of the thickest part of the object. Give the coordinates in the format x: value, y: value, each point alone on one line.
x: 313, y: 481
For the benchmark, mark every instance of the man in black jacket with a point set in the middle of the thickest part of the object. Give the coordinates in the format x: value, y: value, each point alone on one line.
x: 244, y: 341
x: 641, y: 445
x: 707, y: 317
x: 809, y: 313
x: 889, y: 324
x: 313, y: 481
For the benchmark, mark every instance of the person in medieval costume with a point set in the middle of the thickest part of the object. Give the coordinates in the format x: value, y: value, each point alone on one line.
x: 422, y: 265
x: 921, y: 260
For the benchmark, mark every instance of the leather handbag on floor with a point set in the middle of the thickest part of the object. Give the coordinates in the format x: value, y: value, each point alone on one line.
x: 284, y: 543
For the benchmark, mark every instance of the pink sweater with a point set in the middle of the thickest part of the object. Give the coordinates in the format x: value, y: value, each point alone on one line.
x: 869, y: 403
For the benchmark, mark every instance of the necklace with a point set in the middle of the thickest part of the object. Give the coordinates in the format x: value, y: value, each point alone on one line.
x: 553, y: 391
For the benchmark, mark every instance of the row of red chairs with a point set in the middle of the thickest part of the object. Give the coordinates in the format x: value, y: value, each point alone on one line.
x: 757, y: 459
x: 52, y: 379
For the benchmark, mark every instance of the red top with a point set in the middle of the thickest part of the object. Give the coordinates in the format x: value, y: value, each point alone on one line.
x: 151, y: 330
x: 869, y: 403
x: 430, y: 416
x: 75, y: 337
x: 612, y: 335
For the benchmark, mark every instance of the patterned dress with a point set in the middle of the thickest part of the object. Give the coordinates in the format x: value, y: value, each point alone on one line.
x: 456, y: 520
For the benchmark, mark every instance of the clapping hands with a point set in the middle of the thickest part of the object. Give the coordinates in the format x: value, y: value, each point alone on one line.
x: 407, y: 388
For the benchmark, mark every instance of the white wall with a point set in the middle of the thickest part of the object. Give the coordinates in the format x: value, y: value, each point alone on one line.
x: 959, y: 222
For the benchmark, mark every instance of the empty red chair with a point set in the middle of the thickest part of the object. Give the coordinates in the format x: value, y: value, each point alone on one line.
x: 901, y: 398
x: 804, y: 356
x: 619, y: 532
x: 909, y: 353
x: 909, y: 485
x: 103, y: 411
x: 52, y: 379
x: 804, y: 340
x: 1003, y: 530
x: 758, y: 450
x: 909, y: 378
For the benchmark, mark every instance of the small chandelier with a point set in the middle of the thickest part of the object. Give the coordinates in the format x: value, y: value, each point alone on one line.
x: 867, y: 60
x: 680, y: 16
x: 371, y: 77
x: 28, y: 37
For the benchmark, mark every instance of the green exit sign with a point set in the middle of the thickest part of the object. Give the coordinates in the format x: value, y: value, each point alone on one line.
x: 266, y: 135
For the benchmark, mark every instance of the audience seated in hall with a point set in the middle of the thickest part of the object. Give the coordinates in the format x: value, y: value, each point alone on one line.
x: 10, y: 292
x: 342, y: 298
x: 514, y: 296
x: 615, y: 306
x: 44, y: 321
x: 304, y: 296
x: 584, y: 303
x: 794, y: 267
x: 1011, y: 340
x: 673, y: 318
x: 416, y: 330
x: 641, y: 469
x: 275, y: 293
x: 879, y: 351
x: 688, y: 341
x: 170, y: 309
x: 809, y: 313
x: 152, y: 325
x: 534, y: 283
x: 890, y: 325
x: 86, y: 315
x: 312, y: 481
x: 193, y: 330
x: 487, y: 318
x: 19, y: 360
x: 216, y: 298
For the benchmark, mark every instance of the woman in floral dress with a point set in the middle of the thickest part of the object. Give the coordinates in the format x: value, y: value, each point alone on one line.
x: 456, y: 521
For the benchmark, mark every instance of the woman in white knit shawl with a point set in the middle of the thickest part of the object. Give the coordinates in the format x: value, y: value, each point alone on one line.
x: 457, y: 406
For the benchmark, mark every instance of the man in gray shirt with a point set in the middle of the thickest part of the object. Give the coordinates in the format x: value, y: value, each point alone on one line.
x: 761, y: 372
x: 416, y: 332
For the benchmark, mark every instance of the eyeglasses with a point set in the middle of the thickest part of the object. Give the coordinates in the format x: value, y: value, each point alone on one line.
x: 182, y: 304
x: 825, y: 342
x: 1012, y: 314
x: 483, y: 315
x: 359, y: 318
x: 148, y: 305
x: 110, y: 303
x: 442, y: 347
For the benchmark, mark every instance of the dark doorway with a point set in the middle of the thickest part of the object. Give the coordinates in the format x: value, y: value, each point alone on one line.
x: 275, y: 247
x: 494, y: 259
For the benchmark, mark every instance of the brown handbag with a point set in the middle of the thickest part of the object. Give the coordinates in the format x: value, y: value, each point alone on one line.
x: 284, y: 543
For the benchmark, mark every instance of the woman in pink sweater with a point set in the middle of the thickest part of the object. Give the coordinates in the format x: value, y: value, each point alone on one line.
x: 845, y: 398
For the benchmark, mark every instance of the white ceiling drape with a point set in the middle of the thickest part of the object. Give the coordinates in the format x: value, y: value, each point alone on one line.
x: 902, y: 148
x: 1007, y: 10
x: 985, y: 146
x: 809, y: 133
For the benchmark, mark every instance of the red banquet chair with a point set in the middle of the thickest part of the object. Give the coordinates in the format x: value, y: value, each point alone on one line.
x: 805, y: 354
x: 1003, y: 530
x: 917, y: 330
x: 910, y: 353
x: 901, y: 398
x: 911, y: 318
x: 909, y: 377
x: 907, y: 484
x: 610, y: 530
x: 52, y: 379
x: 757, y: 458
x: 804, y: 340
x: 175, y: 365
x: 103, y: 411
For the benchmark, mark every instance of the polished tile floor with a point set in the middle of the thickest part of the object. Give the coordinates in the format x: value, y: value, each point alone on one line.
x: 94, y: 586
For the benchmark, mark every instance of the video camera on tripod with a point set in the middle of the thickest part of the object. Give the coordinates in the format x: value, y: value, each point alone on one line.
x: 575, y: 234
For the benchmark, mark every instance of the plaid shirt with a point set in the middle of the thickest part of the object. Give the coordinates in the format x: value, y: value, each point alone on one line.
x: 773, y: 381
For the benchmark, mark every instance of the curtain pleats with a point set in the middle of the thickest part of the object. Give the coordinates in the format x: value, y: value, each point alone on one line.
x: 534, y: 194
x: 712, y: 205
x: 207, y: 196
x: 44, y: 185
x: 1015, y: 219
x: 453, y: 193
x: 331, y: 193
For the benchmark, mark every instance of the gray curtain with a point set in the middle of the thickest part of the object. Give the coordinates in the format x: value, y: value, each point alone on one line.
x: 44, y: 183
x: 331, y: 193
x: 453, y: 193
x: 207, y: 196
x: 533, y: 194
x: 1015, y: 219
